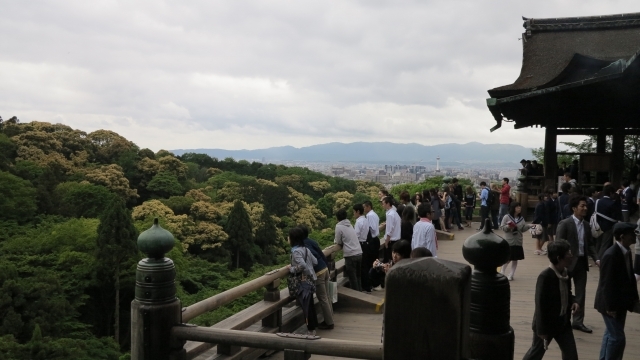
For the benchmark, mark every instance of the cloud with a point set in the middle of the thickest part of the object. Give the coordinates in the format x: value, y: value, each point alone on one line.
x: 253, y: 74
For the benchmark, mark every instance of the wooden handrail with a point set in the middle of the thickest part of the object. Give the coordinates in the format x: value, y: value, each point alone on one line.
x: 329, y: 347
x: 230, y: 295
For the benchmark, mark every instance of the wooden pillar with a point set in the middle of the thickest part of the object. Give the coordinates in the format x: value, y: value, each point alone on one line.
x: 617, y: 163
x: 419, y: 324
x: 601, y: 141
x: 273, y: 294
x: 550, y: 156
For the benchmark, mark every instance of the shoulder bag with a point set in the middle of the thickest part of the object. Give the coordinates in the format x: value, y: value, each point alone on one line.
x: 295, y: 280
x: 596, y: 231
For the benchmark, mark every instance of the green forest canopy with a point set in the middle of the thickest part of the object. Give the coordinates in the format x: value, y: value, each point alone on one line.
x: 56, y: 184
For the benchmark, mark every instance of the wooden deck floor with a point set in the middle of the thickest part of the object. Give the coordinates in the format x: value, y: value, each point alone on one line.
x: 361, y: 327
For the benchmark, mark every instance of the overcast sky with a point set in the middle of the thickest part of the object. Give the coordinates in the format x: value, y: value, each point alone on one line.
x: 253, y: 74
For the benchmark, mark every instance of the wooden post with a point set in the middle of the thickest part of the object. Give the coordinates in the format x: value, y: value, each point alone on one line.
x: 272, y: 294
x: 617, y: 150
x: 601, y: 148
x: 550, y: 156
x: 419, y: 324
x: 296, y: 355
x: 601, y: 141
x: 331, y: 267
x: 155, y: 309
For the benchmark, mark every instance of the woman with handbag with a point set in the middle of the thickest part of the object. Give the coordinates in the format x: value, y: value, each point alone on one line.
x: 302, y: 278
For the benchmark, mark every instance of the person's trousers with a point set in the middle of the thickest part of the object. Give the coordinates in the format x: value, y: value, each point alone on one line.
x: 377, y: 277
x: 353, y: 269
x: 494, y: 218
x: 322, y: 292
x: 625, y: 216
x: 613, y: 340
x: 504, y: 210
x: 370, y: 250
x: 604, y: 242
x: 565, y: 341
x: 312, y: 317
x: 468, y: 214
x: 579, y: 276
x: 388, y: 251
x: 484, y: 214
x: 455, y: 216
x: 447, y: 218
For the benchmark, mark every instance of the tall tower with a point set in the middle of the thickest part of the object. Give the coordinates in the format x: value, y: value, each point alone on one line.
x: 438, y: 164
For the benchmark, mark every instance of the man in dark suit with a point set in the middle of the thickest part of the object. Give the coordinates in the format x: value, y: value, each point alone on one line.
x: 617, y: 290
x: 609, y: 212
x: 554, y: 305
x: 576, y: 230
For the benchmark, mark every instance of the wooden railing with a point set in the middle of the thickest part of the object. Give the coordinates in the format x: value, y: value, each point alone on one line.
x: 229, y: 339
x: 329, y: 347
x: 237, y: 292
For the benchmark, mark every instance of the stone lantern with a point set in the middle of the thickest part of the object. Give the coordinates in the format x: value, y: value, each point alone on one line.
x: 490, y: 336
x: 156, y: 309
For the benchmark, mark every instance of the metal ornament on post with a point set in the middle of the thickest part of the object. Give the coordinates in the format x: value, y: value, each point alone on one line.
x: 491, y: 335
x: 155, y: 308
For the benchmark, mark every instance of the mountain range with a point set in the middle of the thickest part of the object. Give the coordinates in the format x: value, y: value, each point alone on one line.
x: 378, y: 152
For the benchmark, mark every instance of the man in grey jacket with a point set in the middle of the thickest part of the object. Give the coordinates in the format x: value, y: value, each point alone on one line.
x: 347, y: 238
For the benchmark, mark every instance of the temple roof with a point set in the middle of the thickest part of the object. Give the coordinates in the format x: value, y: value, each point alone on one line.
x: 576, y: 72
x: 554, y: 49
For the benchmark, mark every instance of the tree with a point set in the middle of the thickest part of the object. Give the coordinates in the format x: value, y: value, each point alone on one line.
x: 538, y: 154
x: 116, y: 245
x: 240, y: 241
x: 75, y: 199
x: 267, y: 239
x: 17, y: 198
x: 165, y: 184
x: 112, y: 177
x: 7, y: 151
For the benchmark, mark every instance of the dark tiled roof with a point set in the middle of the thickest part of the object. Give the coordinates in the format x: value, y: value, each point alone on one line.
x: 557, y: 51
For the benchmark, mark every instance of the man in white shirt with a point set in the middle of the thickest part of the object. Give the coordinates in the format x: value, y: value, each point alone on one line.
x: 424, y: 233
x: 392, y: 229
x: 374, y: 220
x: 371, y: 248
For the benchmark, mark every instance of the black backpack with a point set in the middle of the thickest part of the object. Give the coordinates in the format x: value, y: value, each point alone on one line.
x: 490, y: 198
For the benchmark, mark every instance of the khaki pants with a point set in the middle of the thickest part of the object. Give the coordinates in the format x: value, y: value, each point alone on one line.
x: 322, y: 292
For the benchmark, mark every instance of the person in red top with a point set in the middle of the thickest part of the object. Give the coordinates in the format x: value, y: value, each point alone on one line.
x: 504, y: 199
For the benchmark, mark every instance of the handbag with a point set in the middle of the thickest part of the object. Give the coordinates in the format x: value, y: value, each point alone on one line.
x: 596, y: 231
x: 295, y: 280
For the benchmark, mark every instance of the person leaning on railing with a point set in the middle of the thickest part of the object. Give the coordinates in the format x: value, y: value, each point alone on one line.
x: 322, y: 281
x: 302, y: 260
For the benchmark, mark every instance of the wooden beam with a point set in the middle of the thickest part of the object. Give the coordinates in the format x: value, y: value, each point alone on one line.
x: 330, y: 347
x: 617, y: 148
x: 550, y: 156
x: 591, y: 131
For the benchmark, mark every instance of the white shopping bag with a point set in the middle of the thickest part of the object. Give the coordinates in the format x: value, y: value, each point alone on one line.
x: 333, y: 291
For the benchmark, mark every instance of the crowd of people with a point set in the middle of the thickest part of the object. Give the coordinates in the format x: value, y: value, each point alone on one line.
x: 408, y: 232
x: 579, y: 224
x: 563, y: 221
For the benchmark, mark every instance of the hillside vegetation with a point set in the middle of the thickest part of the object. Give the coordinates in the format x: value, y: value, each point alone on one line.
x: 73, y: 203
